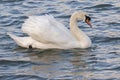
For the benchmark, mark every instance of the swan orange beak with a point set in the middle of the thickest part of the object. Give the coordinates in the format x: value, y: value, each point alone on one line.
x: 88, y: 22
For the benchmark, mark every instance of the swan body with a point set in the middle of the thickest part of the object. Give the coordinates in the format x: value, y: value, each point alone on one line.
x: 46, y: 32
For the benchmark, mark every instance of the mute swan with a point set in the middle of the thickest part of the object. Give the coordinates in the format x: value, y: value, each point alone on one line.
x: 46, y: 32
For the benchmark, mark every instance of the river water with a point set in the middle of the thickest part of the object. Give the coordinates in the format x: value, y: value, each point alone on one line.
x: 99, y: 62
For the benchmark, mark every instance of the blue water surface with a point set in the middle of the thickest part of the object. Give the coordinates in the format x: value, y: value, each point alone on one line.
x: 99, y: 62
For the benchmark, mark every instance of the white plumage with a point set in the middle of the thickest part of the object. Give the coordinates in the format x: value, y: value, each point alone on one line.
x: 46, y: 32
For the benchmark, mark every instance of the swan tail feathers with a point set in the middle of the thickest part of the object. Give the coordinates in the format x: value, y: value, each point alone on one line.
x: 12, y: 36
x: 17, y: 39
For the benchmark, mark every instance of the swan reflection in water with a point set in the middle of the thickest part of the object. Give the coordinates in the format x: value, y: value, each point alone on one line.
x: 55, y: 64
x: 79, y: 64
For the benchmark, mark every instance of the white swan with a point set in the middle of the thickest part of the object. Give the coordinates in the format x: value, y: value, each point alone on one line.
x: 46, y: 32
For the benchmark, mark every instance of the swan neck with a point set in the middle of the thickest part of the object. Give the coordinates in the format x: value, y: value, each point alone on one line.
x: 77, y: 33
x: 73, y: 25
x: 73, y: 22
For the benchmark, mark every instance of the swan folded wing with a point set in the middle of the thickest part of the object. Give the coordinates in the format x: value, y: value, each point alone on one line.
x: 46, y: 29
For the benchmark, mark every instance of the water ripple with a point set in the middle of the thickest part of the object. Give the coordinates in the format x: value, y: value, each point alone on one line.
x: 21, y: 77
x: 100, y: 62
x: 102, y: 6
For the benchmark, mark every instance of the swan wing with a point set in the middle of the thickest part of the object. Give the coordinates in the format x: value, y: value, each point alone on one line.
x: 46, y: 29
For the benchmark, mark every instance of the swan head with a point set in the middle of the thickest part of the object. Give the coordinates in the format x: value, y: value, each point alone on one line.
x: 83, y: 16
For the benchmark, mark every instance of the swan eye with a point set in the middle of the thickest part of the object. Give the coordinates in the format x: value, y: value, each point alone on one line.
x: 87, y: 18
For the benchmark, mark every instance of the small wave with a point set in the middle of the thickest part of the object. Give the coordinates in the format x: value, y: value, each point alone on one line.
x: 14, y: 63
x: 100, y: 7
x: 15, y: 11
x: 73, y: 2
x: 31, y: 4
x: 105, y: 39
x: 11, y: 23
x: 12, y: 20
x: 10, y: 0
x: 64, y: 16
x: 54, y: 12
x: 114, y: 23
x: 20, y: 77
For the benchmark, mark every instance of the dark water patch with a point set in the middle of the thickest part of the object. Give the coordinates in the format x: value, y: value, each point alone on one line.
x: 21, y: 77
x: 117, y: 68
x: 113, y: 23
x: 112, y: 55
x: 6, y: 22
x: 13, y: 4
x: 19, y: 18
x: 73, y: 2
x: 102, y: 6
x: 50, y: 8
x: 28, y: 6
x: 67, y: 77
x: 6, y: 46
x: 114, y: 68
x: 15, y: 11
x: 53, y: 12
x: 91, y: 61
x: 118, y: 11
x: 23, y: 17
x: 4, y: 16
x: 101, y: 66
x: 31, y: 4
x: 11, y: 23
x: 10, y: 1
x: 63, y: 16
x: 9, y: 63
x: 109, y: 39
x: 115, y: 53
x: 37, y: 2
x: 106, y: 79
x: 16, y: 22
x: 105, y: 39
x: 4, y: 38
